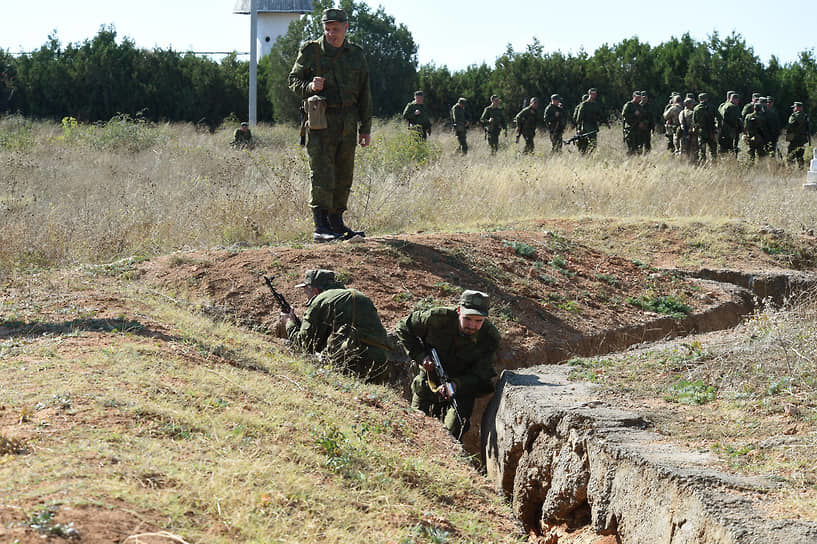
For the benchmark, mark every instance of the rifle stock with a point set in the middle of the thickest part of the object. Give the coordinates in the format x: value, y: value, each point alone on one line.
x: 449, y: 389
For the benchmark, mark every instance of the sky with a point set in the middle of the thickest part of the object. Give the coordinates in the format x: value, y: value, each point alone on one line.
x: 454, y: 33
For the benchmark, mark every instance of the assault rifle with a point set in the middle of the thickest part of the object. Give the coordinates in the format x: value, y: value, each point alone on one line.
x: 449, y: 390
x: 302, y: 110
x: 578, y: 137
x: 281, y: 301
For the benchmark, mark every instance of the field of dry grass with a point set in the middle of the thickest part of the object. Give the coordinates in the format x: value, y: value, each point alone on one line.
x: 72, y: 194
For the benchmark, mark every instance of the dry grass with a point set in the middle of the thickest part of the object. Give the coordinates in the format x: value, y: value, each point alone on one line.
x: 748, y: 395
x: 214, y: 434
x: 72, y: 194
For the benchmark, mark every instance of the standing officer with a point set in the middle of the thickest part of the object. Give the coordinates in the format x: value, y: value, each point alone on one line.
x: 706, y: 121
x: 459, y: 120
x: 672, y: 123
x: 647, y: 125
x: 341, y: 325
x: 493, y: 121
x: 526, y: 123
x: 797, y: 133
x: 417, y: 116
x: 774, y: 125
x: 588, y: 118
x: 632, y: 116
x: 555, y: 121
x: 333, y: 73
x: 686, y: 131
x: 466, y: 343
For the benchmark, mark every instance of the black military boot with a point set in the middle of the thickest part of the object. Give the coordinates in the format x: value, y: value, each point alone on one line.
x: 341, y: 230
x: 323, y: 232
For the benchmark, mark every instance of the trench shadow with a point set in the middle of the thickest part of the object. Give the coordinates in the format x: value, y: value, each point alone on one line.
x: 30, y: 329
x: 456, y: 269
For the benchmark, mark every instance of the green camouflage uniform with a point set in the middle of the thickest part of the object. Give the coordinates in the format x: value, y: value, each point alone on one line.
x: 242, y: 138
x: 706, y: 120
x: 775, y: 128
x: 588, y: 118
x: 797, y: 132
x: 459, y: 119
x: 671, y: 126
x: 349, y: 112
x: 757, y: 134
x: 493, y: 121
x: 343, y: 325
x: 526, y: 126
x: 731, y: 128
x: 556, y: 122
x: 687, y: 144
x: 468, y: 360
x: 633, y: 116
x: 419, y: 122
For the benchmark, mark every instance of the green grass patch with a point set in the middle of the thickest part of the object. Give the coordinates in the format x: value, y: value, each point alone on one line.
x: 661, y: 304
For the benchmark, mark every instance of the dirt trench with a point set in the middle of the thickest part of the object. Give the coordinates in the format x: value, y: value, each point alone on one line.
x: 578, y: 470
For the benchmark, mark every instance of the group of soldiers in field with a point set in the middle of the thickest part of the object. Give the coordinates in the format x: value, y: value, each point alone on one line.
x: 694, y: 127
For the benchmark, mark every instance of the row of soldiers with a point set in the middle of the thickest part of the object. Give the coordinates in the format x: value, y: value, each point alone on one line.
x: 691, y: 126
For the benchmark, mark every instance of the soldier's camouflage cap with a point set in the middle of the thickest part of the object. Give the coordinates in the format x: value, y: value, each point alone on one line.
x: 645, y: 93
x: 691, y: 95
x: 322, y: 279
x: 688, y: 101
x: 762, y: 99
x: 755, y: 96
x: 533, y: 99
x: 418, y: 93
x: 736, y: 94
x: 797, y: 105
x: 703, y: 96
x: 555, y: 97
x: 245, y: 124
x: 494, y: 97
x: 769, y: 98
x: 462, y: 99
x: 636, y: 93
x: 592, y: 90
x: 474, y: 303
x: 332, y: 15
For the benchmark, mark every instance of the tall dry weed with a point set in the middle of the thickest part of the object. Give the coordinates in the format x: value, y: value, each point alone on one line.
x: 84, y: 193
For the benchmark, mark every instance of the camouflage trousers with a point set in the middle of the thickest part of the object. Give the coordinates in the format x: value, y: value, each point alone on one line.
x: 332, y: 162
x: 528, y: 142
x: 493, y: 141
x: 434, y: 405
x: 463, y: 143
x: 556, y: 140
x: 588, y: 143
x: 706, y: 140
x: 796, y: 152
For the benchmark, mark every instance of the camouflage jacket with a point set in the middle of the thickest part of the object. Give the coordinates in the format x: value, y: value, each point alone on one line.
x: 468, y: 360
x: 413, y: 118
x: 493, y: 119
x: 732, y: 121
x: 589, y: 116
x: 633, y: 114
x: 526, y: 120
x: 705, y: 118
x: 755, y: 128
x: 346, y: 72
x: 459, y: 118
x: 341, y: 320
x: 798, y: 127
x: 773, y: 123
x: 555, y: 118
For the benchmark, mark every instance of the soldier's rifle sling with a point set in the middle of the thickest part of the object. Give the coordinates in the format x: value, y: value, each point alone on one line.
x: 281, y: 301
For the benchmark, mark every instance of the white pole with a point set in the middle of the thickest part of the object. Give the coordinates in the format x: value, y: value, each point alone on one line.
x: 253, y: 62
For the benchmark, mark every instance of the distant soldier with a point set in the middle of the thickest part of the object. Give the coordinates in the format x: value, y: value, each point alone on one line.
x: 575, y: 116
x: 242, y: 137
x: 797, y: 134
x: 466, y: 343
x: 493, y: 122
x: 555, y: 121
x: 750, y: 106
x: 672, y: 123
x: 632, y: 115
x: 588, y: 119
x: 756, y: 132
x: 459, y: 120
x: 732, y: 123
x: 341, y: 325
x: 686, y: 131
x: 647, y: 124
x: 774, y: 125
x: 526, y: 123
x: 706, y: 121
x: 670, y: 115
x: 417, y: 116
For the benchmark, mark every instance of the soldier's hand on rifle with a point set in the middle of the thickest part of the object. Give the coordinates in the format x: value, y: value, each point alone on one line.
x: 317, y: 83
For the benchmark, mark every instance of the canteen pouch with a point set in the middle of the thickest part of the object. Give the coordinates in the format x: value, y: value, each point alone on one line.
x: 316, y: 112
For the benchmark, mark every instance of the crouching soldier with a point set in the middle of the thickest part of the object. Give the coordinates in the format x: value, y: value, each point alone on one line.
x: 341, y: 325
x: 466, y: 343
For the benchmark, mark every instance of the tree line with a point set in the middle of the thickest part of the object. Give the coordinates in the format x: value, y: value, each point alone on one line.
x: 99, y: 78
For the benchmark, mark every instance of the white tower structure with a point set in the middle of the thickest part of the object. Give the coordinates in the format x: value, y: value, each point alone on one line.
x: 274, y: 17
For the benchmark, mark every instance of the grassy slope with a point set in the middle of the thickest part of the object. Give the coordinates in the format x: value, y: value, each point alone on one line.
x: 211, y: 432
